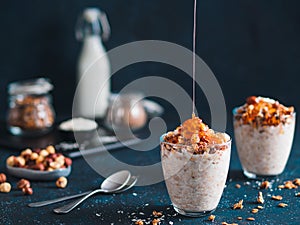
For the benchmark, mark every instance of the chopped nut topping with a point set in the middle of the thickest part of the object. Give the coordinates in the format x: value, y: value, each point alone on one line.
x: 297, y: 181
x: 260, y: 198
x: 197, y: 136
x: 139, y: 222
x: 265, y: 185
x: 155, y: 221
x: 254, y: 210
x: 263, y: 111
x: 260, y: 207
x: 212, y: 218
x: 239, y: 218
x: 238, y: 205
x: 298, y: 194
x: 250, y: 218
x: 289, y: 185
x: 282, y: 205
x: 155, y: 213
x: 281, y: 186
x: 238, y: 186
x: 277, y: 197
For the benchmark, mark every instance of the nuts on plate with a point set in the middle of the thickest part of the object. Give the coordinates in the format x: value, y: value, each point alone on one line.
x: 40, y: 159
x: 5, y: 187
x: 2, y: 178
x: 61, y: 182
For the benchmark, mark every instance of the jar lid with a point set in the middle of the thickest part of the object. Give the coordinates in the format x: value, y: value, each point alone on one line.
x: 33, y: 86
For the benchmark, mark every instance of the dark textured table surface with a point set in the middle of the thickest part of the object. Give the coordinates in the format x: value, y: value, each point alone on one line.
x: 139, y: 202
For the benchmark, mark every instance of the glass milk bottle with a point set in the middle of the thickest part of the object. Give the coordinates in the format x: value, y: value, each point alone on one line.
x: 93, y: 89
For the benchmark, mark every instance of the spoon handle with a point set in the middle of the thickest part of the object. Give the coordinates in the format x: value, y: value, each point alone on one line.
x: 67, y: 208
x: 48, y: 202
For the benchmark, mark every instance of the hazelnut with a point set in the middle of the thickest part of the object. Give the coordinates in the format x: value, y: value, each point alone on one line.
x: 5, y: 187
x: 68, y: 162
x: 44, y: 153
x: 23, y: 183
x: 19, y: 161
x: 55, y: 165
x: 60, y: 159
x: 40, y: 159
x: 39, y: 166
x: 50, y: 149
x: 2, y: 178
x: 10, y: 161
x: 34, y: 156
x: 27, y: 191
x: 26, y: 152
x: 61, y: 182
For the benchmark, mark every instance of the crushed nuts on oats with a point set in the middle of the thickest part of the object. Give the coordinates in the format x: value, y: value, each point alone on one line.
x: 250, y: 218
x: 238, y: 186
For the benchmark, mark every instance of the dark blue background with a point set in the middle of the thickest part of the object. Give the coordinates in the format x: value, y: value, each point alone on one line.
x: 251, y: 46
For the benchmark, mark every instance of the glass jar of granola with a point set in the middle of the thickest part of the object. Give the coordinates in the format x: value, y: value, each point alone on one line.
x: 30, y: 110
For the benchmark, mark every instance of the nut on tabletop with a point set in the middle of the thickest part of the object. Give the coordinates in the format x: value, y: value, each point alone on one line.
x: 27, y: 191
x: 23, y: 183
x: 5, y: 187
x: 61, y: 182
x: 2, y: 178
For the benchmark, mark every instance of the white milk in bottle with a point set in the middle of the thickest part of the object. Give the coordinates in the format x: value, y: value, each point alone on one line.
x: 93, y: 73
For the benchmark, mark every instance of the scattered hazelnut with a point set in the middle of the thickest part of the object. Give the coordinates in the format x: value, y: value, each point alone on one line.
x: 27, y: 191
x: 61, y: 182
x: 23, y: 183
x: 5, y: 187
x: 155, y: 213
x: 254, y: 210
x: 250, y: 218
x: 239, y: 218
x: 2, y: 178
x: 238, y: 186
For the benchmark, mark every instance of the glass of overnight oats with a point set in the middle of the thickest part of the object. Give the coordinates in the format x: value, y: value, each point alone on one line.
x: 195, y: 161
x: 264, y: 131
